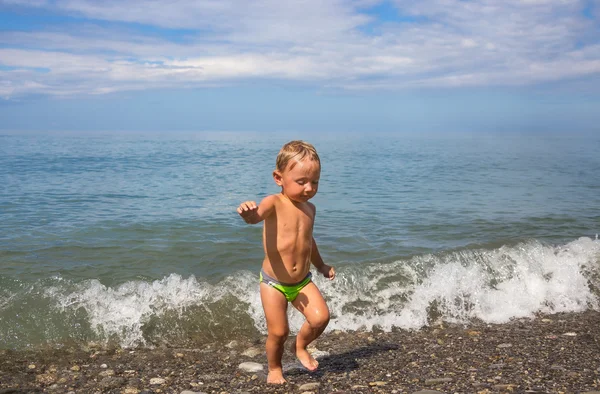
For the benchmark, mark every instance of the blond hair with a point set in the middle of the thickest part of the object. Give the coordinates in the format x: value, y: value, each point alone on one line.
x: 296, y: 150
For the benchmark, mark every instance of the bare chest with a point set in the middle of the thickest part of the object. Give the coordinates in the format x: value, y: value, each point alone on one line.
x: 295, y: 220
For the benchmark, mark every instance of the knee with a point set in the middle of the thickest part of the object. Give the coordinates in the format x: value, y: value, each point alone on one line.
x: 320, y: 320
x: 279, y: 335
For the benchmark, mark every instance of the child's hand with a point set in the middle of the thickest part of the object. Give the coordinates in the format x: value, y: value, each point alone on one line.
x: 327, y: 271
x: 247, y: 210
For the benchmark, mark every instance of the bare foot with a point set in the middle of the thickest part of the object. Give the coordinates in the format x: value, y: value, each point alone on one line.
x: 304, y: 357
x: 276, y: 377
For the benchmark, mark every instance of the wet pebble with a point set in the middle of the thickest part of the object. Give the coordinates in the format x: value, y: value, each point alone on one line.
x: 233, y: 344
x: 431, y: 382
x: 309, y: 386
x: 108, y: 372
x: 45, y: 379
x: 427, y: 392
x: 111, y: 382
x: 252, y: 352
x: 250, y: 367
x: 157, y: 381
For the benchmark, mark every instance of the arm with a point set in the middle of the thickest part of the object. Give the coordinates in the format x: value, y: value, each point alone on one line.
x: 317, y: 261
x: 252, y: 213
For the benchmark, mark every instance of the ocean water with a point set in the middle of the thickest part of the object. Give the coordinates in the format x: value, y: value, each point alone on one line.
x: 133, y: 238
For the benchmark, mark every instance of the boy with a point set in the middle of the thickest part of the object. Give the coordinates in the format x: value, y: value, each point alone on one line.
x: 289, y: 250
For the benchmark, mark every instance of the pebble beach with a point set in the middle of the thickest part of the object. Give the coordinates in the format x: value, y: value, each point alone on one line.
x: 557, y: 353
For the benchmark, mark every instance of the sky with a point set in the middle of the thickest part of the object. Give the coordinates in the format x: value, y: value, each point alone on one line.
x: 300, y: 65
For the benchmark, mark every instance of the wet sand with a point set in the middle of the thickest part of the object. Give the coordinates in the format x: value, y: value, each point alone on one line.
x: 557, y: 353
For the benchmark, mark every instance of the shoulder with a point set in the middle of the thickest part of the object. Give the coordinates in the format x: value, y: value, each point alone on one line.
x: 268, y: 204
x: 270, y: 200
x: 312, y: 207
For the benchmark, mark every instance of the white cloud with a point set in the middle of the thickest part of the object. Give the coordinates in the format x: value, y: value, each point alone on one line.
x: 451, y: 43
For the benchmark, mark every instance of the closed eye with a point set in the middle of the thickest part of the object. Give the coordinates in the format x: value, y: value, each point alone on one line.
x: 305, y: 181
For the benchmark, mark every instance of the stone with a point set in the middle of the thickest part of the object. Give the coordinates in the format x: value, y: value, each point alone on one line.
x: 130, y: 390
x: 378, y: 383
x: 427, y: 392
x: 108, y: 372
x: 45, y: 378
x: 431, y: 382
x: 157, y: 381
x: 317, y: 354
x: 250, y: 367
x: 75, y: 368
x: 232, y: 344
x: 503, y: 387
x: 110, y: 382
x: 252, y: 352
x: 309, y: 386
x: 504, y: 345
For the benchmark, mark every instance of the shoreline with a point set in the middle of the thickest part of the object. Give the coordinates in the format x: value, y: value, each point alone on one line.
x: 558, y: 353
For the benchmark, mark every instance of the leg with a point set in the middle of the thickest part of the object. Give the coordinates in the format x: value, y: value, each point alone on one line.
x: 311, y: 304
x: 275, y: 307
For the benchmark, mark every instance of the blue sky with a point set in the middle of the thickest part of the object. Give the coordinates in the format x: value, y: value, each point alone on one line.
x: 306, y: 65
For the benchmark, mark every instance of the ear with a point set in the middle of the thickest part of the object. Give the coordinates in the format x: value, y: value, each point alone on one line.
x: 278, y: 177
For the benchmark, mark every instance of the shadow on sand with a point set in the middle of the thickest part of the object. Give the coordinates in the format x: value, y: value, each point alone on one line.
x: 344, y: 362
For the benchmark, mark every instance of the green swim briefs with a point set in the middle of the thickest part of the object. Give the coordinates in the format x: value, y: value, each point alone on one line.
x: 289, y: 291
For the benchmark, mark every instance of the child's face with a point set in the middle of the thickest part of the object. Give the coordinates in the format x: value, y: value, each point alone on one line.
x: 300, y: 183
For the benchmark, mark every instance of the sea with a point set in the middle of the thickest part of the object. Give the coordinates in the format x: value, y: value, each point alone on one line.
x: 132, y: 239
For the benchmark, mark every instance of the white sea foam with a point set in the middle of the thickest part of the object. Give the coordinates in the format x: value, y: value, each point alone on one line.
x: 491, y: 285
x: 123, y: 311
